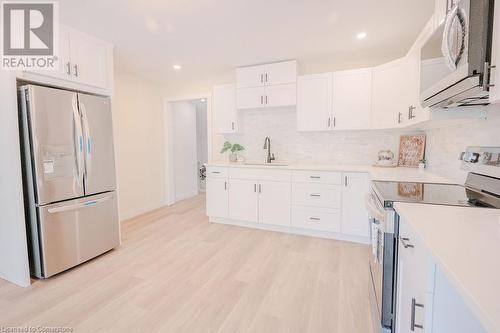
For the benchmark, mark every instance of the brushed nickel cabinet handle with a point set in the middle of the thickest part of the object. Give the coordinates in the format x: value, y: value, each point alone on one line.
x: 315, y: 195
x: 414, y: 305
x: 76, y: 70
x: 314, y: 219
x: 261, y: 100
x: 315, y: 177
x: 68, y: 68
x: 266, y: 99
x: 255, y: 188
x: 266, y: 77
x: 405, y: 242
x: 260, y: 188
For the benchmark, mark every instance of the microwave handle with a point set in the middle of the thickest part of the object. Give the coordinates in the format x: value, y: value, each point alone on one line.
x: 450, y: 59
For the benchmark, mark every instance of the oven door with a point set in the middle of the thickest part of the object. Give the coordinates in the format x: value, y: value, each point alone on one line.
x: 378, y: 217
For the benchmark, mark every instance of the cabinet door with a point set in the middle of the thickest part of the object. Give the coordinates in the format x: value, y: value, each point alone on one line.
x: 88, y: 59
x: 314, y: 102
x: 274, y: 203
x: 450, y: 313
x: 354, y: 214
x: 281, y: 95
x: 388, y: 102
x: 217, y: 197
x: 224, y: 109
x: 352, y: 99
x: 243, y: 200
x: 249, y: 77
x: 250, y: 98
x: 64, y: 62
x: 281, y: 73
x: 414, y: 282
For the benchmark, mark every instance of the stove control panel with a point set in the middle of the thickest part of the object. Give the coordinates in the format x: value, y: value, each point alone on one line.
x: 482, y: 160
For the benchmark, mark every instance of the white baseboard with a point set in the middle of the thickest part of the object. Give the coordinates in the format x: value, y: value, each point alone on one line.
x: 292, y: 230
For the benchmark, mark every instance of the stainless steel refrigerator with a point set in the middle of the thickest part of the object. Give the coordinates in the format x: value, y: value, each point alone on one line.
x: 69, y: 177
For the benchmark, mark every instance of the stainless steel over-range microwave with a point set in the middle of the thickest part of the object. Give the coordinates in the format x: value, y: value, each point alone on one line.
x: 455, y: 61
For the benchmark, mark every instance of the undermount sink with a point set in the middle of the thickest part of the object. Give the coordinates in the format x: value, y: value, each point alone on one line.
x: 265, y: 164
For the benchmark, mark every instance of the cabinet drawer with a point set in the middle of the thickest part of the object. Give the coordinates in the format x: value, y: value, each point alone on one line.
x: 316, y: 218
x: 321, y: 177
x: 216, y: 172
x: 260, y: 174
x: 317, y: 195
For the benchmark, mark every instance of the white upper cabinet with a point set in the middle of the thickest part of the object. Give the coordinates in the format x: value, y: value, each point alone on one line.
x: 388, y: 100
x: 249, y: 77
x: 251, y: 98
x: 281, y: 73
x: 352, y: 99
x: 338, y: 101
x: 281, y: 95
x: 84, y: 61
x: 88, y: 57
x: 264, y: 86
x: 224, y: 109
x: 265, y: 75
x: 314, y: 102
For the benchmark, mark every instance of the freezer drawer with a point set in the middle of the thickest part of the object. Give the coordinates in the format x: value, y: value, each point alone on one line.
x: 75, y: 231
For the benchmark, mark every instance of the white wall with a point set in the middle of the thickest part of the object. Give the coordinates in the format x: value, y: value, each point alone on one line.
x: 138, y: 119
x: 14, y: 265
x: 343, y: 147
x: 445, y: 144
x: 185, y: 153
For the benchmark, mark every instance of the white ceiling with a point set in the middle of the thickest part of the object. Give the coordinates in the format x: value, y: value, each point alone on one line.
x: 210, y: 37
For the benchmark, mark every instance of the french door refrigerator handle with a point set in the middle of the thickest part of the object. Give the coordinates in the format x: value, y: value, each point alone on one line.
x: 88, y: 143
x: 78, y: 205
x: 79, y: 144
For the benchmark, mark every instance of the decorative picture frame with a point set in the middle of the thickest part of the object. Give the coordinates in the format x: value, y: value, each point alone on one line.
x: 411, y: 150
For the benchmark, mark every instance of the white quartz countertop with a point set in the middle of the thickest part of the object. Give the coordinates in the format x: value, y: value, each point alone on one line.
x: 376, y: 173
x: 465, y: 242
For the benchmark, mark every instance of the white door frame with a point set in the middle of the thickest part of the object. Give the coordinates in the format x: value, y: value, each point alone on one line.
x: 168, y: 139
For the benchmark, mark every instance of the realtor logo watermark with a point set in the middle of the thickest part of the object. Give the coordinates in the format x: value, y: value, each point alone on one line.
x: 30, y: 35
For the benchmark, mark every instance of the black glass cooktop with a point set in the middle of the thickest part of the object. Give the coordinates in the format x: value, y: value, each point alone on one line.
x: 425, y: 193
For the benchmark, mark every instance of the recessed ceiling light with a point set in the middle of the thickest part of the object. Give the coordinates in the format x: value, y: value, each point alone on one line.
x: 176, y: 67
x: 202, y: 100
x: 361, y: 35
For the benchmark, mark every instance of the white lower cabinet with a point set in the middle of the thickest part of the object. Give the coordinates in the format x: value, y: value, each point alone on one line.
x: 274, y: 202
x: 426, y: 300
x: 305, y: 200
x: 243, y: 200
x: 265, y: 202
x: 217, y: 200
x: 354, y: 216
x: 315, y: 218
x: 414, y: 285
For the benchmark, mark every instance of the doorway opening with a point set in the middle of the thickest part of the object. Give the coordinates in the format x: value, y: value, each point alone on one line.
x: 187, y: 128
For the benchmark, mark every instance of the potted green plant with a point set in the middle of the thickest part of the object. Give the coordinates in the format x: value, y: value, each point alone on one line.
x: 233, y: 148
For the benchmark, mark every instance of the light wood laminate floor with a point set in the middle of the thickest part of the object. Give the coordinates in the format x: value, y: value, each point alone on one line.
x: 175, y: 272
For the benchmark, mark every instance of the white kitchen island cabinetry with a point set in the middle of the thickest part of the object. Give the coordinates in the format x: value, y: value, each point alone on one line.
x: 447, y: 277
x: 288, y: 199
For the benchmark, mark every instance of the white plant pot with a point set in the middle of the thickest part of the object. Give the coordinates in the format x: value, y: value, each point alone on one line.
x: 233, y: 157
